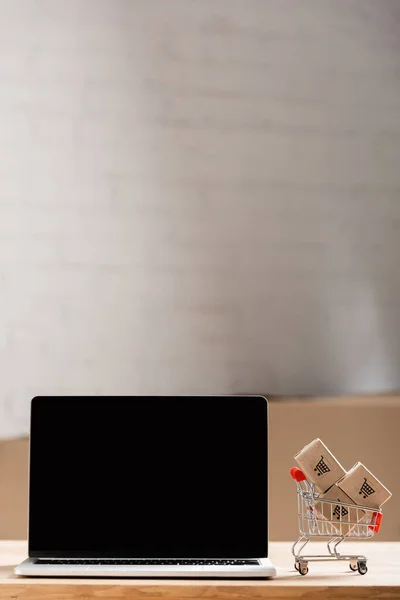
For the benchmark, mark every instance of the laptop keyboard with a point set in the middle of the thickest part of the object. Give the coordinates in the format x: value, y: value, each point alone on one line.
x: 143, y: 562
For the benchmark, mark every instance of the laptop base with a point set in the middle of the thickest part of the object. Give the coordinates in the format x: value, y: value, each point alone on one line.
x: 29, y: 568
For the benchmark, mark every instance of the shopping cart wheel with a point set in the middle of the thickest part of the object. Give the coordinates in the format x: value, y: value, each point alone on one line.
x: 297, y: 566
x: 303, y: 570
x: 353, y: 566
x: 362, y: 567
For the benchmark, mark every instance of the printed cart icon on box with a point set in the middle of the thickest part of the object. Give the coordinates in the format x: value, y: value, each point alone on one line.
x: 340, y: 511
x: 321, y: 467
x: 366, y: 489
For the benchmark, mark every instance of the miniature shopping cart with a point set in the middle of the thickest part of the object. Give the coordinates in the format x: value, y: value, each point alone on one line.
x: 336, y: 521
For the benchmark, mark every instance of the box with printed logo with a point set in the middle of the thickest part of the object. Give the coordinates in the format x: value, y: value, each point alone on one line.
x: 343, y: 518
x: 363, y: 487
x: 319, y: 465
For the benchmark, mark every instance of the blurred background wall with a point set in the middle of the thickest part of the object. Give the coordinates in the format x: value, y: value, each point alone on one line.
x: 198, y: 197
x: 203, y: 197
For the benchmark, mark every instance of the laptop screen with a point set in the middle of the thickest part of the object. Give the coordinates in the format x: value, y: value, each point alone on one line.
x: 148, y: 477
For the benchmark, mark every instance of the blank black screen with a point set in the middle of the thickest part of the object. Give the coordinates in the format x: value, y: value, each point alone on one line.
x: 148, y: 477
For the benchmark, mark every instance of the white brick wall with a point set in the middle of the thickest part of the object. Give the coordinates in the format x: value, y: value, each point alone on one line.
x: 198, y: 197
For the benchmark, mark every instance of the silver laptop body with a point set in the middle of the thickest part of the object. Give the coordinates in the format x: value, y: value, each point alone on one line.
x: 148, y: 486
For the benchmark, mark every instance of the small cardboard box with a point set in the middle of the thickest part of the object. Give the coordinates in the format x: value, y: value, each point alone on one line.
x: 319, y: 465
x: 363, y: 487
x: 343, y: 518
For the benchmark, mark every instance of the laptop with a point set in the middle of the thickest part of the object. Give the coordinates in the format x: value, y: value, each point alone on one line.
x: 148, y: 486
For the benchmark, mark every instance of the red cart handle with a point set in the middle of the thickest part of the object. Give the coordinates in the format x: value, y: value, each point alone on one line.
x: 297, y: 474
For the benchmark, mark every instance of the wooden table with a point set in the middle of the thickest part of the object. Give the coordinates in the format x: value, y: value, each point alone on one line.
x: 325, y: 580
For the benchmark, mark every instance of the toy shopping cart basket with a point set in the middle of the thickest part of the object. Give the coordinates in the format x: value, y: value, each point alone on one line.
x: 321, y: 518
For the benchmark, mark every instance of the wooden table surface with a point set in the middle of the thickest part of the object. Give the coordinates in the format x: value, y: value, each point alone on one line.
x: 325, y: 580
